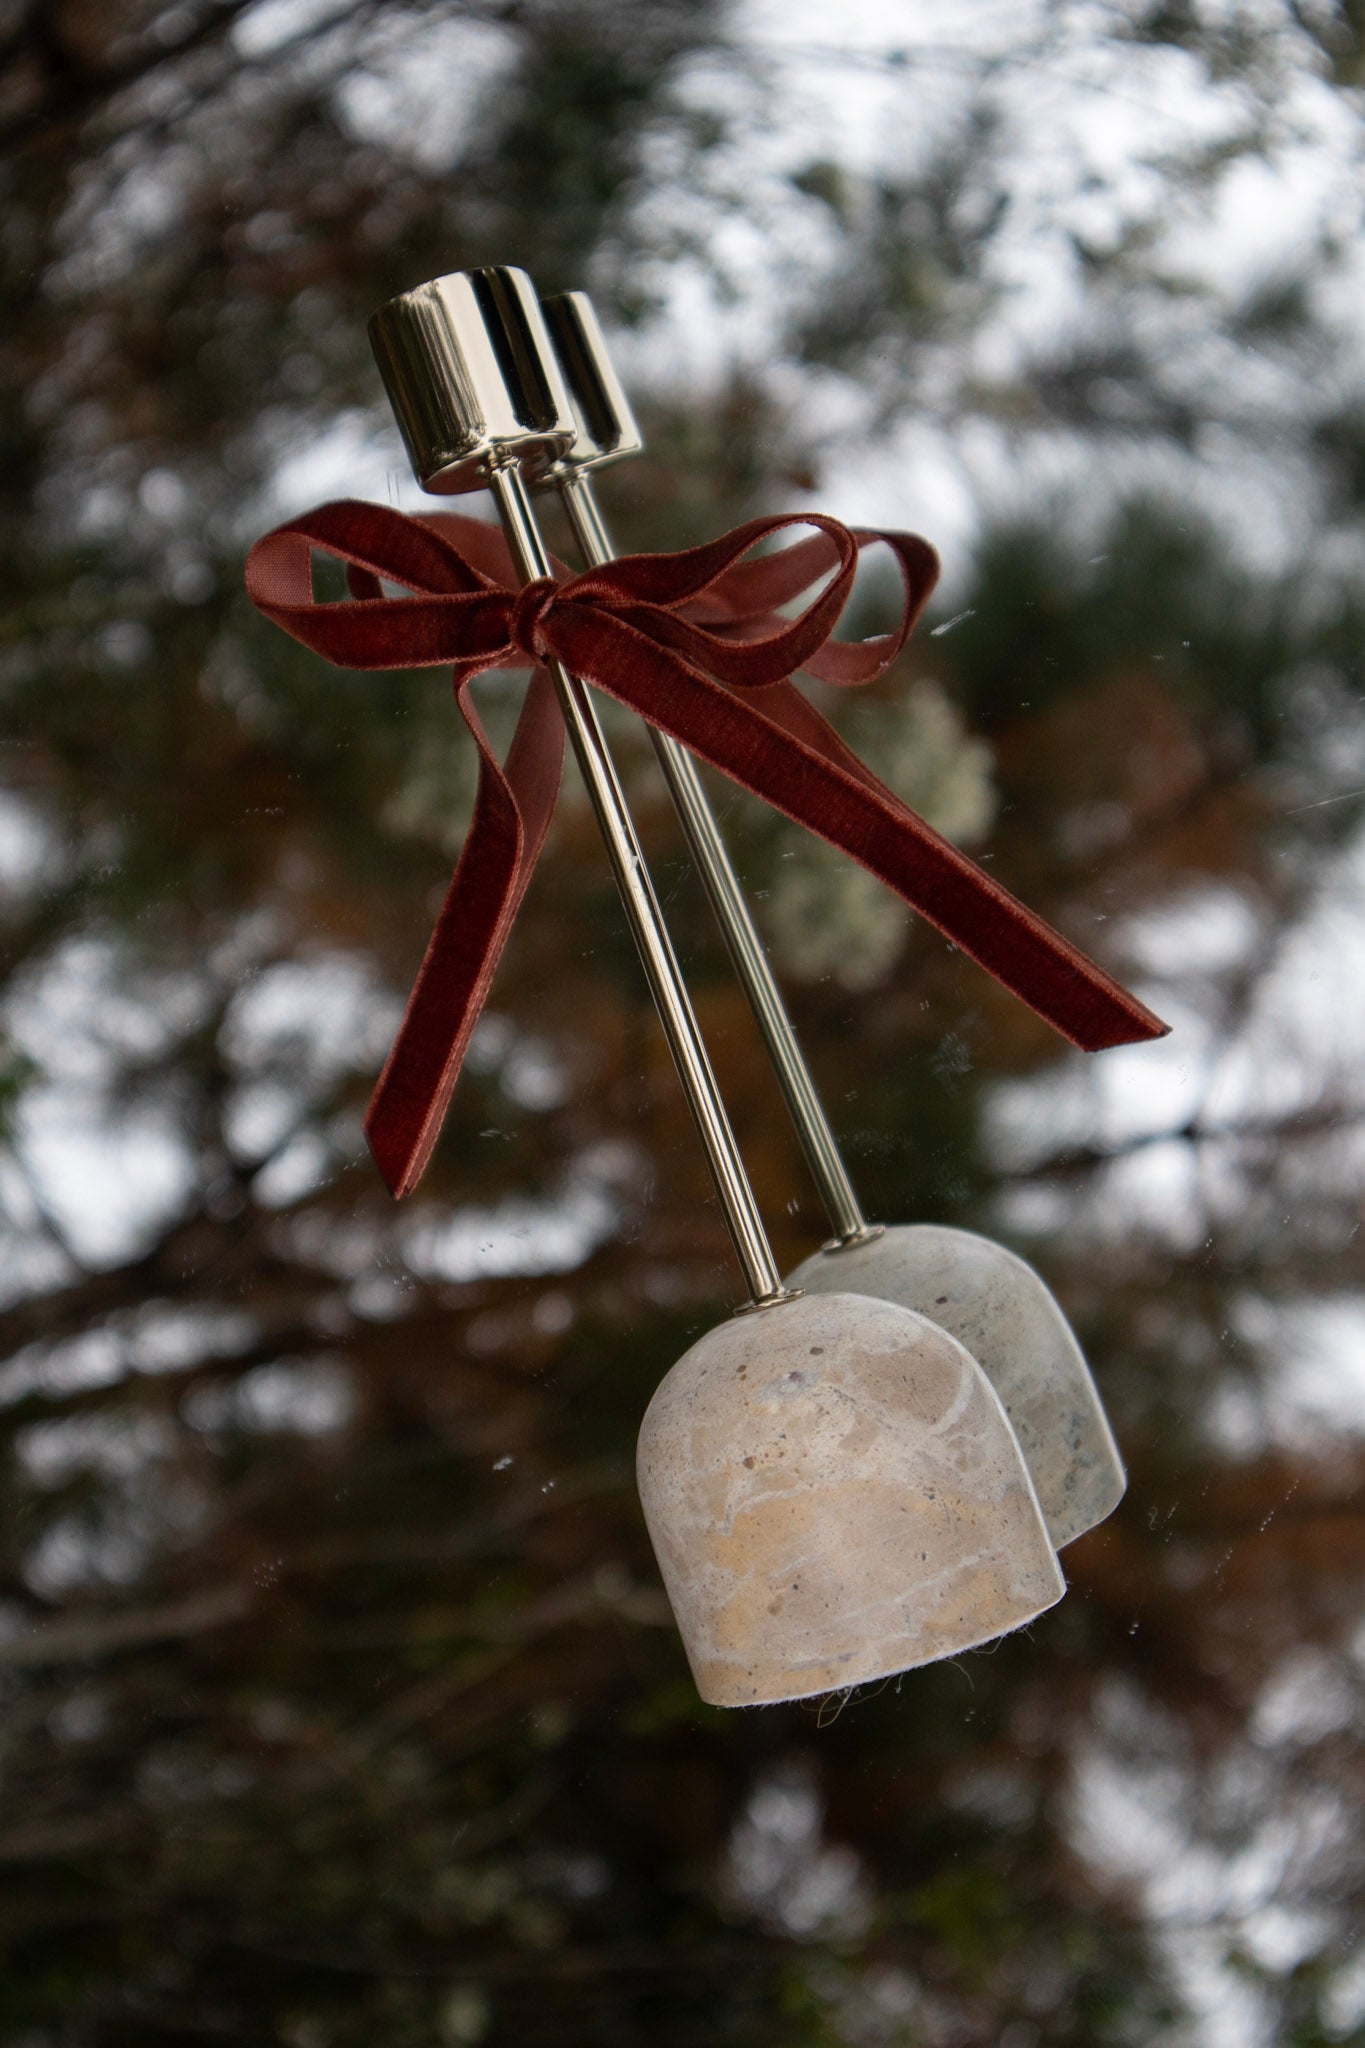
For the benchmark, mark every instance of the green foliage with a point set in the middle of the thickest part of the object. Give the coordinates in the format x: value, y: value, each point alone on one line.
x: 1158, y: 589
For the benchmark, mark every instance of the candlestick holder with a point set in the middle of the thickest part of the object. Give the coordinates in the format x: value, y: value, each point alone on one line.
x: 832, y: 1485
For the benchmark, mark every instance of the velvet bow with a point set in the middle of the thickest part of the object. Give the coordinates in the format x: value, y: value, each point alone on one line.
x: 693, y: 642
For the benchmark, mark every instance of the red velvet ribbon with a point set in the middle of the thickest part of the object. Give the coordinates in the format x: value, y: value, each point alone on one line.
x: 692, y: 641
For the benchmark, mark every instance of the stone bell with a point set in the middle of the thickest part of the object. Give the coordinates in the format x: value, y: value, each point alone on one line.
x: 835, y: 1494
x: 1007, y: 1318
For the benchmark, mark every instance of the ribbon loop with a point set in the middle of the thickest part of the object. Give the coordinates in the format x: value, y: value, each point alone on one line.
x: 696, y: 643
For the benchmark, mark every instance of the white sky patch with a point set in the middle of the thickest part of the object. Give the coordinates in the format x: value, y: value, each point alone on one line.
x: 326, y: 1012
x: 427, y: 93
x: 1159, y: 1191
x: 1309, y: 1696
x: 30, y: 1262
x: 108, y: 1172
x: 1207, y: 931
x: 516, y: 1236
x: 1269, y: 213
x: 1218, y: 1856
x: 259, y: 1116
x: 779, y: 1868
x: 526, y: 1235
x: 108, y: 1180
x: 299, y: 1397
x: 1315, y: 1347
x: 293, y: 1032
x: 118, y: 1446
x: 916, y: 479
x: 1087, y: 124
x: 1344, y: 1999
x: 96, y: 1358
x: 533, y: 1077
x: 163, y: 1338
x: 1305, y: 1037
x: 111, y: 1171
x: 81, y: 1018
x: 268, y: 27
x: 1293, y: 1047
x: 32, y: 857
x: 529, y: 1068
x: 1104, y: 1100
x: 358, y: 456
x: 302, y: 1166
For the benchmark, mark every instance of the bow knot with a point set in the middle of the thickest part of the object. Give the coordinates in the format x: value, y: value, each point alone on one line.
x: 698, y: 645
x: 526, y: 622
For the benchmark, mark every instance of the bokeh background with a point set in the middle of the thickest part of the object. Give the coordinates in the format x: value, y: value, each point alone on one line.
x: 340, y: 1700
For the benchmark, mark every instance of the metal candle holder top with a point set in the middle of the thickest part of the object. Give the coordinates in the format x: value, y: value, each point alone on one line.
x: 605, y: 426
x: 472, y: 379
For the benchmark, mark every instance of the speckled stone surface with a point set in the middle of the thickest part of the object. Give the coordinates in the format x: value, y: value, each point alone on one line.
x: 999, y: 1308
x: 835, y: 1494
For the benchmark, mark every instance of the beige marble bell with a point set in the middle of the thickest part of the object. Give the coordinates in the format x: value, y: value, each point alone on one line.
x: 835, y: 1494
x: 999, y: 1308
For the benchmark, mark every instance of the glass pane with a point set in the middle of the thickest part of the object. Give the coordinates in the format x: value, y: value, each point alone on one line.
x: 342, y: 1699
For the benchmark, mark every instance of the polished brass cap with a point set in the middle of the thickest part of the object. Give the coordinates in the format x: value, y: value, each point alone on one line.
x: 606, y: 426
x: 472, y: 378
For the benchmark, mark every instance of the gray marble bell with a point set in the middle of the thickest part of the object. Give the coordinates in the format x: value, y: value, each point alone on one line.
x: 1001, y: 1311
x: 835, y: 1494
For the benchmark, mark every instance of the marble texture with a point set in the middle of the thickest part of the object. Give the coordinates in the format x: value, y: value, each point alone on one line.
x: 999, y: 1308
x: 834, y: 1494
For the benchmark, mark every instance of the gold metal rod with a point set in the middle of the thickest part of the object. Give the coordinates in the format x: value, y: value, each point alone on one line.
x: 723, y: 888
x: 738, y: 1206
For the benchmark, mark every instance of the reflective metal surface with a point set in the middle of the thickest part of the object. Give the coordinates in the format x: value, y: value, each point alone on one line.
x: 471, y: 376
x: 607, y: 430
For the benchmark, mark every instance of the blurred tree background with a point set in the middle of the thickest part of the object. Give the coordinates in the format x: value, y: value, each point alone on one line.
x: 340, y: 1700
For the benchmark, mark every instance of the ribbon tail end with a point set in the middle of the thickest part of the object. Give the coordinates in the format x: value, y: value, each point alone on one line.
x: 401, y: 1165
x: 1137, y: 1025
